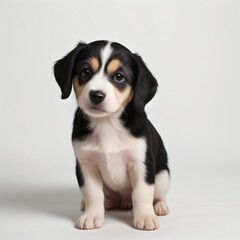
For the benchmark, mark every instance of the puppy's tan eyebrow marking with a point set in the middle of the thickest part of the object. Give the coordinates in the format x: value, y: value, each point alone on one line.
x: 113, y: 66
x: 93, y: 61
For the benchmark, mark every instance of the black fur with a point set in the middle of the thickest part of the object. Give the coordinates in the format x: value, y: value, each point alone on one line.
x: 80, y: 126
x: 139, y: 126
x: 134, y: 117
x: 79, y: 174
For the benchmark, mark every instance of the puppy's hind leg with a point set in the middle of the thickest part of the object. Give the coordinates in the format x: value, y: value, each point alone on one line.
x: 162, y: 183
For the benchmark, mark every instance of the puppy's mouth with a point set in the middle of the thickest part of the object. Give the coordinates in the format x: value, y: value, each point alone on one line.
x: 96, y: 110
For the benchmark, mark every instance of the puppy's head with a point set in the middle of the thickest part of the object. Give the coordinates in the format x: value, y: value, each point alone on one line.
x: 105, y: 77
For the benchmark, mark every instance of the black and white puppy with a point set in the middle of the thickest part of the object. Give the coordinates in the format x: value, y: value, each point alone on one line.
x: 121, y: 159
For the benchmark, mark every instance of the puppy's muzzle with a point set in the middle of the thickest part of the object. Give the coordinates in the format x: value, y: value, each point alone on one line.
x: 96, y: 97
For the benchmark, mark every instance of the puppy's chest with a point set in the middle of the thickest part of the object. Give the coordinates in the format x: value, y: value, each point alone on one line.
x: 113, y: 150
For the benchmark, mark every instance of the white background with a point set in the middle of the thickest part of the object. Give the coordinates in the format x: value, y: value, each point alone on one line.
x: 192, y: 48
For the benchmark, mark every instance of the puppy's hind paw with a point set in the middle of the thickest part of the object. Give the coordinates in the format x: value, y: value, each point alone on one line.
x: 161, y: 208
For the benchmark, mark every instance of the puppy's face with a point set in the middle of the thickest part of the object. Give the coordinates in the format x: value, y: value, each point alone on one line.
x: 106, y: 77
x: 103, y: 80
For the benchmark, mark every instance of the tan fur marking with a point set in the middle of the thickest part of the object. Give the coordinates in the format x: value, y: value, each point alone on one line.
x: 124, y: 97
x: 76, y: 87
x: 94, y: 63
x: 113, y: 66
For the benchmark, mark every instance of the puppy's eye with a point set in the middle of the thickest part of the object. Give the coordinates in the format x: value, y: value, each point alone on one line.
x: 118, y: 77
x: 86, y: 73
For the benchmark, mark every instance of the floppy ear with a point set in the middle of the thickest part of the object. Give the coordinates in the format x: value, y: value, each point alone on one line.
x: 145, y: 86
x: 63, y: 70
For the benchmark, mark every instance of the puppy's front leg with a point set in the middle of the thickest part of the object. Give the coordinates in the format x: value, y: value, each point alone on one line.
x: 144, y: 217
x: 93, y: 196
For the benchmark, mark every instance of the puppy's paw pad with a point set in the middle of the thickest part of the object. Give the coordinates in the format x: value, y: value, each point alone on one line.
x: 87, y: 222
x: 148, y: 223
x: 161, y: 208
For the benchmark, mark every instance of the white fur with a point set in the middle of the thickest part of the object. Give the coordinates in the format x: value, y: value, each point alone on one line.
x: 144, y: 217
x: 105, y: 54
x: 162, y: 184
x: 93, y: 216
x: 114, y: 151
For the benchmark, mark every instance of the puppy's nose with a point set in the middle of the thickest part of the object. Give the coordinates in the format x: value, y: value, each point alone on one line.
x: 96, y: 96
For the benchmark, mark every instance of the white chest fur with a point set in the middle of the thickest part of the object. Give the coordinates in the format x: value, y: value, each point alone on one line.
x: 113, y: 150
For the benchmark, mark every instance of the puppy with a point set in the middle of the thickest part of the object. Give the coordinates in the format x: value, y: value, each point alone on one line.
x: 121, y: 161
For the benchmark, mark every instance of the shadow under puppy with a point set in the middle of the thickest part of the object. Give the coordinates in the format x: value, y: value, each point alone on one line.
x: 121, y: 161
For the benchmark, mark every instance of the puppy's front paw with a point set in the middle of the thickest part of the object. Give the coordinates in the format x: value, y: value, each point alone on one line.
x: 87, y: 222
x: 146, y: 222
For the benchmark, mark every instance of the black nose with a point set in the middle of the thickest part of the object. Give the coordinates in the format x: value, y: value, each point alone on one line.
x: 96, y: 96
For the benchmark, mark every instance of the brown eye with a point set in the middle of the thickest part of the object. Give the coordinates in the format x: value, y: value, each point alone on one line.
x: 86, y: 73
x: 118, y: 77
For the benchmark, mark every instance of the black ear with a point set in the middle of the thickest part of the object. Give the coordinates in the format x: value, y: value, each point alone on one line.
x: 63, y: 70
x: 145, y: 86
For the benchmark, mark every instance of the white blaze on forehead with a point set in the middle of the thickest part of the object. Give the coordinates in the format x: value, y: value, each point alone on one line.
x: 97, y: 82
x: 105, y: 54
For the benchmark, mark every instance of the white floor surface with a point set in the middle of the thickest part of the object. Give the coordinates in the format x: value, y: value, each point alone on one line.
x: 204, y: 203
